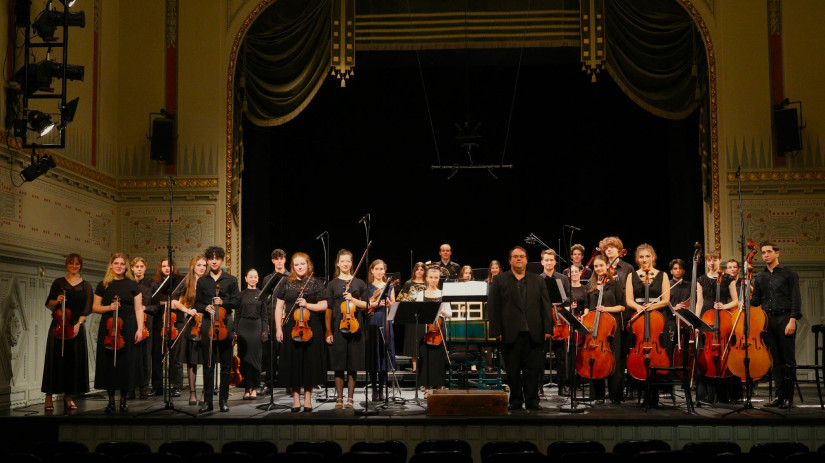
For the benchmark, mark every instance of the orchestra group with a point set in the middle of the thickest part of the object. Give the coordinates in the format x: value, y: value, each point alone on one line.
x: 306, y: 326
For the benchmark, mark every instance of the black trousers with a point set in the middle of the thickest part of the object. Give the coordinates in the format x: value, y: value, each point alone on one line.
x: 783, y: 351
x: 221, y: 354
x: 176, y: 369
x: 523, y: 359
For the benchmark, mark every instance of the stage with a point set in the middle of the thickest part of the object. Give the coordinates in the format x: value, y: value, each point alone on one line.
x: 410, y: 424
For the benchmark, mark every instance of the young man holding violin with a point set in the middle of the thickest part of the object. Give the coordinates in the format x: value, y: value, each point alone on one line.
x: 217, y: 289
x: 776, y: 290
x: 557, y: 345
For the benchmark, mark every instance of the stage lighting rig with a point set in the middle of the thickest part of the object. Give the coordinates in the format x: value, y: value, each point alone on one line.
x: 39, y: 166
x: 49, y: 20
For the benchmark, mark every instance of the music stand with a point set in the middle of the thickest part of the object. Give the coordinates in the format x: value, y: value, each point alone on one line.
x: 557, y: 298
x: 575, y: 327
x: 465, y: 291
x: 267, y: 293
x: 699, y: 326
x: 408, y: 313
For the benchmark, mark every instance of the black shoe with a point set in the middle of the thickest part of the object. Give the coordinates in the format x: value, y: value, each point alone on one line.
x: 124, y: 408
x: 110, y: 408
x: 514, y: 406
x: 222, y: 406
x: 175, y: 393
x: 130, y: 395
x: 534, y: 406
x: 207, y: 407
x: 155, y: 393
x: 295, y: 409
x: 143, y: 394
x: 777, y: 402
x: 307, y: 409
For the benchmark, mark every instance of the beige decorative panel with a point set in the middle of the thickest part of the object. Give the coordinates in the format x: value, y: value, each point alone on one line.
x: 795, y: 224
x: 145, y: 231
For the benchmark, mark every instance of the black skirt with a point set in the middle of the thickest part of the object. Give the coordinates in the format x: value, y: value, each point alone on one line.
x: 250, y: 350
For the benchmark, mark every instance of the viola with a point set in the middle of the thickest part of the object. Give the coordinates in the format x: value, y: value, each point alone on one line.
x: 647, y: 352
x: 235, y: 377
x: 751, y: 346
x: 381, y: 293
x: 595, y: 359
x: 712, y: 358
x: 301, y: 331
x: 114, y: 340
x: 349, y: 320
x: 173, y: 332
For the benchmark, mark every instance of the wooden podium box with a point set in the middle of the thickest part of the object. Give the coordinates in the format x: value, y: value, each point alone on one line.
x: 472, y: 402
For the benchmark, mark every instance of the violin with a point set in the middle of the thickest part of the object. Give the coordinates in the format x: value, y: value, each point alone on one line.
x: 751, y: 346
x: 433, y: 335
x: 235, y: 377
x: 64, y: 329
x: 349, y: 321
x: 381, y: 293
x: 301, y: 332
x: 114, y: 340
x: 195, y: 333
x: 595, y: 359
x: 219, y: 331
x: 173, y: 332
x: 145, y: 329
x: 647, y: 352
x: 712, y: 358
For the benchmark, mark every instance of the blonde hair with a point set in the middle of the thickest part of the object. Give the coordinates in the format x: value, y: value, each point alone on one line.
x: 110, y: 274
x: 645, y: 247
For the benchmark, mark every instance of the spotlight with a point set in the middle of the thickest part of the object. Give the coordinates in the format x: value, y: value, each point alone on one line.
x: 38, y: 167
x: 67, y: 113
x: 40, y: 122
x: 68, y: 3
x: 49, y: 20
x: 40, y: 75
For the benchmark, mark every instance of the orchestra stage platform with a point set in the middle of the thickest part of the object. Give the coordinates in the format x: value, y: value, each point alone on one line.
x: 409, y: 422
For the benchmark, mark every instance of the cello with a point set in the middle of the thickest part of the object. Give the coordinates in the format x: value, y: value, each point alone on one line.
x: 349, y: 320
x: 595, y: 359
x: 712, y: 358
x: 647, y: 327
x: 749, y: 358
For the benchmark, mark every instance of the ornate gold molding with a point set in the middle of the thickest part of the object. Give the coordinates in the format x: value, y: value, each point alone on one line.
x: 143, y: 183
x: 714, y: 122
x: 781, y: 176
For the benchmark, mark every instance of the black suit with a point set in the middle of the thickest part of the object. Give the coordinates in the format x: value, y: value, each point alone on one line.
x: 520, y: 314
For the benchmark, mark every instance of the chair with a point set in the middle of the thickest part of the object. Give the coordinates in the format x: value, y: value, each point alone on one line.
x: 670, y: 456
x: 370, y: 457
x: 630, y: 448
x: 186, y: 449
x: 393, y: 446
x: 118, y: 450
x: 86, y: 457
x: 295, y: 457
x: 711, y: 449
x: 821, y: 449
x: 744, y: 458
x: 809, y: 457
x: 331, y: 450
x: 23, y: 458
x: 556, y: 449
x: 506, y: 446
x: 257, y: 449
x: 223, y: 457
x: 592, y: 457
x: 443, y: 445
x: 780, y: 450
x: 517, y: 457
x: 818, y: 367
x: 442, y: 456
x: 152, y: 458
x: 47, y: 450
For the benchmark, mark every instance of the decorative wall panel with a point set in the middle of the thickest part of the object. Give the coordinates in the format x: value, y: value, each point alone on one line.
x: 794, y: 223
x: 145, y: 232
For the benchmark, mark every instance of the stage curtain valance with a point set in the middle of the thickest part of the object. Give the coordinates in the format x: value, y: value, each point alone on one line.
x: 655, y: 54
x: 284, y: 60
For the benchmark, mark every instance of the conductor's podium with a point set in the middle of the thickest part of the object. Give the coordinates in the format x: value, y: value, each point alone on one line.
x: 470, y: 402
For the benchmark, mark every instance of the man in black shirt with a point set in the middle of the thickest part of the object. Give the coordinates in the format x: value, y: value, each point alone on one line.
x: 214, y: 290
x: 776, y: 290
x: 558, y: 346
x: 680, y: 292
x: 271, y: 351
x: 445, y: 251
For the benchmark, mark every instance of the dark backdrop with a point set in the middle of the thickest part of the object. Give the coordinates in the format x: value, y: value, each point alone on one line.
x: 583, y: 154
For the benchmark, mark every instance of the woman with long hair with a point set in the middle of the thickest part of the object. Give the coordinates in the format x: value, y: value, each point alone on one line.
x: 412, y: 287
x: 346, y: 347
x: 302, y: 362
x: 66, y: 368
x: 188, y: 349
x: 118, y: 357
x: 138, y: 266
x: 602, y: 283
x: 160, y: 300
x: 381, y: 342
x: 433, y: 357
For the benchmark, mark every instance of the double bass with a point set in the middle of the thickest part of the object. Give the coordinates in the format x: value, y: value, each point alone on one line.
x: 595, y: 359
x: 713, y: 355
x: 686, y: 344
x: 647, y: 327
x: 749, y: 357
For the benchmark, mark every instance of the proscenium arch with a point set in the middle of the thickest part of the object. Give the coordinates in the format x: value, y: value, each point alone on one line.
x: 256, y: 10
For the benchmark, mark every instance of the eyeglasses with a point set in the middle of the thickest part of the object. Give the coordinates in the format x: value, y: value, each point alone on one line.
x: 518, y: 256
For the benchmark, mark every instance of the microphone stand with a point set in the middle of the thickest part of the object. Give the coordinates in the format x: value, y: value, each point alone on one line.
x: 326, y: 397
x: 366, y: 411
x: 268, y: 292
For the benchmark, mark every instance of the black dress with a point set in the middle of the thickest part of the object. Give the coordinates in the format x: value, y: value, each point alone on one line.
x: 127, y: 373
x: 302, y: 363
x: 68, y: 373
x: 348, y: 350
x: 190, y: 351
x: 410, y: 338
x: 251, y: 325
x: 147, y: 287
x: 665, y: 340
x: 708, y: 389
x: 432, y: 360
x: 709, y: 290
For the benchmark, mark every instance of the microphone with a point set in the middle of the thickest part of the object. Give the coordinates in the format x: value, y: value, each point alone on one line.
x: 322, y: 234
x: 573, y: 228
x: 738, y: 172
x: 366, y: 217
x: 172, y: 180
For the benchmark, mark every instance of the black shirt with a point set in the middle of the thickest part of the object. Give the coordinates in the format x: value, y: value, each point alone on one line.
x: 565, y: 283
x: 778, y: 292
x: 452, y: 267
x: 679, y: 292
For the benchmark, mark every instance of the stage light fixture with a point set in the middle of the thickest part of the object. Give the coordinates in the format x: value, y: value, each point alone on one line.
x: 38, y: 167
x: 41, y: 75
x: 67, y: 113
x: 40, y: 122
x: 49, y: 20
x: 68, y: 3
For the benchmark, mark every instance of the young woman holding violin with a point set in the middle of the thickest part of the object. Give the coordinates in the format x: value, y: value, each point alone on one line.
x: 252, y: 325
x: 647, y: 294
x: 188, y: 348
x: 300, y: 313
x: 412, y: 287
x: 380, y: 339
x: 138, y: 266
x: 345, y: 326
x: 66, y: 368
x: 605, y: 295
x: 715, y: 290
x: 156, y: 330
x: 119, y: 301
x: 432, y: 351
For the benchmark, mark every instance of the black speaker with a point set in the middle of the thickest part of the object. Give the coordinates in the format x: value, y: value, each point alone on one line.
x: 163, y: 139
x: 788, y: 136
